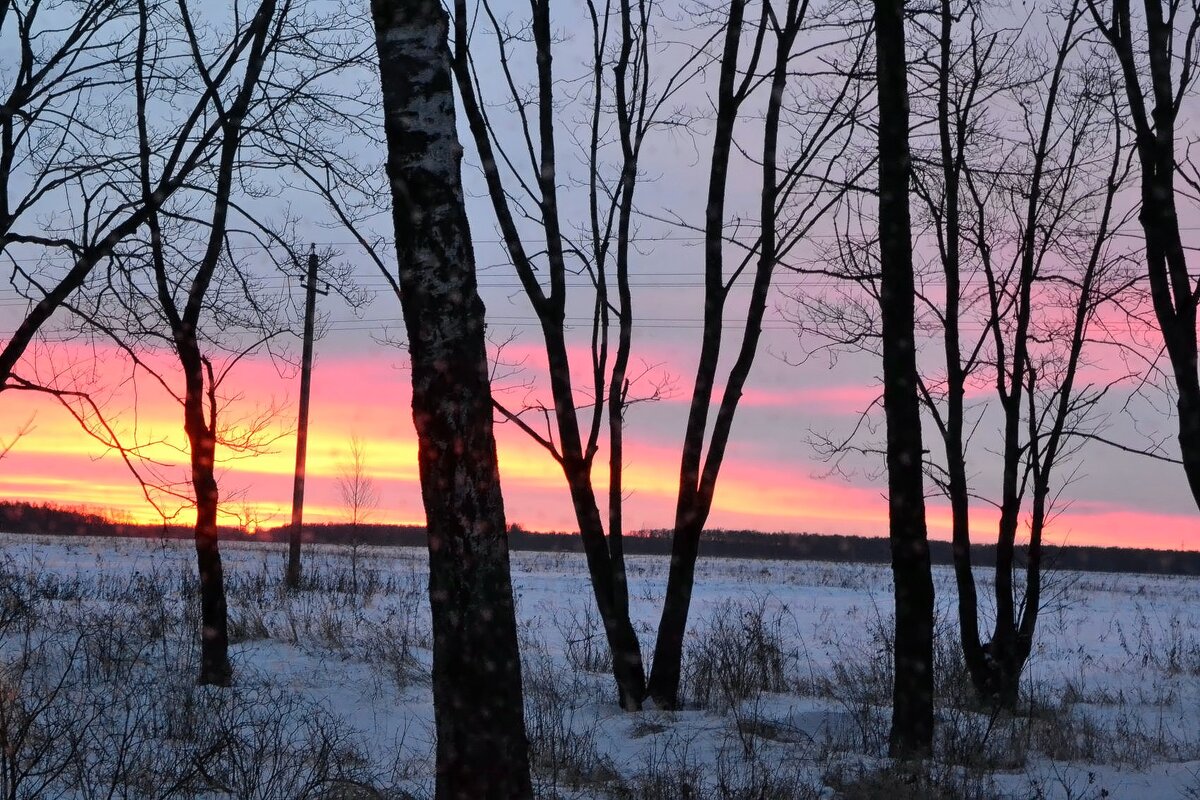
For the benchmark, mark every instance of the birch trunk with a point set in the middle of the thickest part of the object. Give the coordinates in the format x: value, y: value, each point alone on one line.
x: 482, y: 751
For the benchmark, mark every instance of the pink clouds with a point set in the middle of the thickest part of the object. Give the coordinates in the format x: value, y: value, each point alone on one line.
x: 848, y: 399
x: 369, y: 396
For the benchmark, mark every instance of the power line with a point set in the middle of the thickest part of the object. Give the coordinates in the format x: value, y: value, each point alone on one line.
x: 642, y: 282
x: 688, y: 238
x: 573, y: 322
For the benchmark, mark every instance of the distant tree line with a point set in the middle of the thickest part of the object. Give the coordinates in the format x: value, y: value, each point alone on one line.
x: 49, y: 519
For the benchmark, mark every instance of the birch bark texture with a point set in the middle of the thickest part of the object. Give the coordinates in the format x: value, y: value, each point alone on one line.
x: 482, y: 749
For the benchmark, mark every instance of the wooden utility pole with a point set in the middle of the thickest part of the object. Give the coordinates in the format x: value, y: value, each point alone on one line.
x: 310, y: 310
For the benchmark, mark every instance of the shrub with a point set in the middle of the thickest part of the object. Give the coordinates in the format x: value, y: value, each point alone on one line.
x: 738, y: 652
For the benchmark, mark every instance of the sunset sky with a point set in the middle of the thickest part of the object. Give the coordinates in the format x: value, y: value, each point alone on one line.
x: 772, y: 480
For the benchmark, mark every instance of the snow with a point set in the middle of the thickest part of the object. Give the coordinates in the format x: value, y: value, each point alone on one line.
x: 1112, y: 695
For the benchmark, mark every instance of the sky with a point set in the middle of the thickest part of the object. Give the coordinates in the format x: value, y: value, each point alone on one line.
x: 773, y: 478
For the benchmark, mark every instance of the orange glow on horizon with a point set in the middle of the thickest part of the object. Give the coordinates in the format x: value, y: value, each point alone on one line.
x: 56, y: 463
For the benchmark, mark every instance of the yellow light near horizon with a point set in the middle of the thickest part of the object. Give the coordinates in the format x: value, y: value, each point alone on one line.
x: 59, y: 464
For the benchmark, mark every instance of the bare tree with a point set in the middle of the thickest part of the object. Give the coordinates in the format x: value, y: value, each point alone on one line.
x: 912, y: 697
x: 358, y: 490
x: 1157, y: 68
x: 183, y: 295
x: 482, y: 751
x: 1017, y: 167
x: 1023, y: 220
x: 603, y: 249
x: 800, y: 180
x: 178, y: 283
x: 527, y: 178
x: 69, y: 137
x: 360, y: 495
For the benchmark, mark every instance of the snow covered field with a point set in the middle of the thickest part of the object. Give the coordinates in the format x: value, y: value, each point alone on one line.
x: 787, y: 683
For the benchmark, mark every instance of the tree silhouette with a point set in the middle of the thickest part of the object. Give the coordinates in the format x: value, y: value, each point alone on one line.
x: 1157, y: 71
x: 357, y: 488
x: 912, y: 697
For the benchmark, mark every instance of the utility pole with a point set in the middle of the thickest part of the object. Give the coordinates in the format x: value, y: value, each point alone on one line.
x: 310, y: 311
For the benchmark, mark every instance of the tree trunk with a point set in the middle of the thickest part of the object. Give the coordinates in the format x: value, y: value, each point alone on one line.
x: 698, y: 485
x: 482, y: 751
x: 1188, y: 405
x: 691, y: 508
x: 215, y: 668
x: 1175, y: 303
x: 623, y: 643
x: 952, y: 143
x: 685, y: 539
x: 214, y: 632
x: 672, y: 625
x: 912, y: 713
